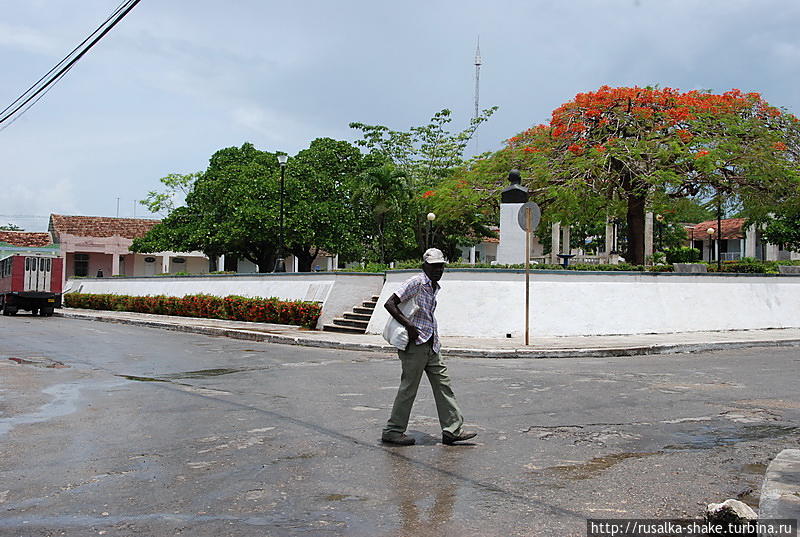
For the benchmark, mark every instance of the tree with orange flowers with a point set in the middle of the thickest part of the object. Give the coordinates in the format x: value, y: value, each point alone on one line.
x: 634, y: 148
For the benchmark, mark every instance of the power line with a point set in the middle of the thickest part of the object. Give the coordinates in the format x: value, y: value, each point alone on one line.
x: 32, y: 95
x: 73, y: 51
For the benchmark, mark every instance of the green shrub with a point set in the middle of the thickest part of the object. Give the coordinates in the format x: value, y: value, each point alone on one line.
x: 742, y: 266
x: 682, y: 254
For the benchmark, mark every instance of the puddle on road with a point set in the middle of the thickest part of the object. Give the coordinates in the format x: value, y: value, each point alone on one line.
x: 64, y: 402
x: 597, y: 465
x: 709, y: 437
x: 751, y: 497
x: 142, y: 379
x: 39, y: 361
x: 204, y: 373
x: 755, y: 468
x: 342, y: 497
x: 199, y: 374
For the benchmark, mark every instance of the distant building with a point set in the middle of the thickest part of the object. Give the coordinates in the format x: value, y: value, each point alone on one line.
x: 736, y: 242
x: 98, y: 245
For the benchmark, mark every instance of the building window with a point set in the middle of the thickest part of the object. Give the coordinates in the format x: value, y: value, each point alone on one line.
x: 81, y: 265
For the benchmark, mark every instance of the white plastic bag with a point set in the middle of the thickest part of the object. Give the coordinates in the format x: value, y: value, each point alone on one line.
x: 394, y: 332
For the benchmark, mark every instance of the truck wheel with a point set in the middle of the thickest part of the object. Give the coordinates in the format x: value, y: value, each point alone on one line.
x: 9, y: 310
x: 34, y: 312
x: 47, y: 312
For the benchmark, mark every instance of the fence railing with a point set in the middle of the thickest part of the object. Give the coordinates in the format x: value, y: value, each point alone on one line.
x: 731, y: 256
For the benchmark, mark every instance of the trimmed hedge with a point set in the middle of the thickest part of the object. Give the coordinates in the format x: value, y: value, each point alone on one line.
x: 236, y: 308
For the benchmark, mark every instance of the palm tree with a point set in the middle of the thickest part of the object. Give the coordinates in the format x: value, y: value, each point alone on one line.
x: 383, y: 189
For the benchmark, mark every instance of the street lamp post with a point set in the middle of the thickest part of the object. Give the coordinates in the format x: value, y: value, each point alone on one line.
x: 280, y: 264
x: 431, y: 217
x: 660, y: 221
x: 719, y: 232
x: 615, y: 236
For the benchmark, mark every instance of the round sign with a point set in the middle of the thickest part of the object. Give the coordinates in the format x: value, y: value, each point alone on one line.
x: 536, y: 215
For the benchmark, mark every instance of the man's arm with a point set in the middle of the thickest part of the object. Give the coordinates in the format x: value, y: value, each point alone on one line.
x: 392, y: 306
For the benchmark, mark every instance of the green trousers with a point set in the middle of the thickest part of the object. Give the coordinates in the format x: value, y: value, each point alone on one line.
x: 416, y: 360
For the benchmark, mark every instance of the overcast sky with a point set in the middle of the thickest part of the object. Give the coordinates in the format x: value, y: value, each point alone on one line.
x: 177, y: 80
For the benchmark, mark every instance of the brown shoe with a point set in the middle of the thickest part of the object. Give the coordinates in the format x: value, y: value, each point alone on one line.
x: 450, y: 438
x: 398, y: 439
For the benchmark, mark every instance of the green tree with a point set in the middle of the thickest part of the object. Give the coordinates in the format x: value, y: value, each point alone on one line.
x: 427, y: 155
x: 177, y: 187
x: 618, y: 152
x: 782, y: 228
x: 383, y: 191
x: 233, y: 207
x: 230, y: 209
x: 321, y: 214
x: 11, y: 227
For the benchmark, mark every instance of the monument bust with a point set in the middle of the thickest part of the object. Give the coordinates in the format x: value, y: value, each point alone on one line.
x: 515, y: 192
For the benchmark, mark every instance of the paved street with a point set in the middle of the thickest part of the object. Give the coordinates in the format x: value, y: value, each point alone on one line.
x: 146, y: 432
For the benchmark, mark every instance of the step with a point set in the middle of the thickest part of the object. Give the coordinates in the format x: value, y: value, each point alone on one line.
x: 375, y: 298
x: 343, y: 329
x: 357, y: 316
x: 351, y: 322
x: 366, y: 311
x: 368, y: 304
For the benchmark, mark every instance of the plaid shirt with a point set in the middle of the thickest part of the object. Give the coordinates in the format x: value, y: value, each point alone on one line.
x: 421, y: 288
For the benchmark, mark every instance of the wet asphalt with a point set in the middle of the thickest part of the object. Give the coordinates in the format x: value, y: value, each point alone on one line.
x: 145, y: 432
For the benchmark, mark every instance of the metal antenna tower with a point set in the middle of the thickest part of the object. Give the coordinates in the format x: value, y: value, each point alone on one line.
x: 478, y: 63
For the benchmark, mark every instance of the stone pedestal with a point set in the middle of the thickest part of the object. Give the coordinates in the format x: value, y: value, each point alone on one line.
x: 511, y: 249
x: 750, y: 242
x: 555, y: 243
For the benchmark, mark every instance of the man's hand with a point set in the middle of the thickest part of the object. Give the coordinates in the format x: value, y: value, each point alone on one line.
x: 413, y: 334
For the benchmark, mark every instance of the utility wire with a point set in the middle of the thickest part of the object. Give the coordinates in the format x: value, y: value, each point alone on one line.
x: 73, y: 51
x: 37, y: 91
x: 16, y: 117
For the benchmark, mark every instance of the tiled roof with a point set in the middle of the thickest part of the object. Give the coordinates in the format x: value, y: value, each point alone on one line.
x: 26, y: 239
x: 732, y: 228
x: 492, y: 240
x: 100, y: 226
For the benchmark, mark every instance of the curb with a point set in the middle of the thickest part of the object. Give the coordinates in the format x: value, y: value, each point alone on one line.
x: 608, y: 352
x: 779, y: 493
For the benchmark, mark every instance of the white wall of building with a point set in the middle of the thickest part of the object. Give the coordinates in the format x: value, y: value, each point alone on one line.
x: 491, y: 303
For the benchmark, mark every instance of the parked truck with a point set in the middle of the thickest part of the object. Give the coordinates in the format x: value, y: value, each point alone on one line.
x: 30, y: 282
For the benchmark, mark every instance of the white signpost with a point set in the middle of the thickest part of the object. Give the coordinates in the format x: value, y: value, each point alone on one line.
x: 528, y: 217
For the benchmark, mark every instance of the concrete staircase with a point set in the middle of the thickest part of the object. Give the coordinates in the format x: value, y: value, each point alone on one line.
x: 356, y: 321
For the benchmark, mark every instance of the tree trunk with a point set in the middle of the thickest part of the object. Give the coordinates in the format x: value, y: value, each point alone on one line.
x: 635, y: 217
x: 266, y: 263
x: 305, y: 258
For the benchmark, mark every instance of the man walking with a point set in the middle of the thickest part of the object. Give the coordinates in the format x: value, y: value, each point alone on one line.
x: 422, y: 355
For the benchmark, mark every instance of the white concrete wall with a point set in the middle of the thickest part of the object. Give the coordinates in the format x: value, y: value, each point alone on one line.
x: 337, y: 291
x: 491, y: 303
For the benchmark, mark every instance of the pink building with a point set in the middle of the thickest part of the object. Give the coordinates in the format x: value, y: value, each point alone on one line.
x: 96, y: 245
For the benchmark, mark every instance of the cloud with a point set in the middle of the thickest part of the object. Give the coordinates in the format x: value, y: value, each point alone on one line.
x: 27, y: 39
x: 33, y: 203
